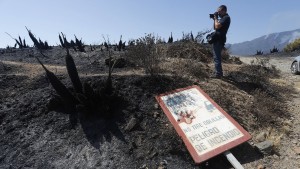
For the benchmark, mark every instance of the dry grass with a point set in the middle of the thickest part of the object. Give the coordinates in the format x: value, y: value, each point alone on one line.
x: 185, y: 68
x: 248, y: 93
x: 190, y: 50
x: 267, y: 101
x: 145, y: 53
x: 292, y: 46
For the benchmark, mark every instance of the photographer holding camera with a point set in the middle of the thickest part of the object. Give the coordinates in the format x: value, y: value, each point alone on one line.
x: 221, y: 27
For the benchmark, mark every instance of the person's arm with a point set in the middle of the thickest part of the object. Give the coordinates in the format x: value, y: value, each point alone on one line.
x: 217, y: 25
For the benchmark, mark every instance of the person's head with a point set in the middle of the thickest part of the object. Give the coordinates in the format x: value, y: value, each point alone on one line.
x: 222, y: 10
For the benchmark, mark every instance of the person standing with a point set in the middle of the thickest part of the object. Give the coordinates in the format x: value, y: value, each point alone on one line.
x: 221, y: 27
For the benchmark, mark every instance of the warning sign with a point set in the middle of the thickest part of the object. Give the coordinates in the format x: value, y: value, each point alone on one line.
x: 206, y: 129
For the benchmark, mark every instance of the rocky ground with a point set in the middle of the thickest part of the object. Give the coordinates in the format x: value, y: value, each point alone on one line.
x: 288, y: 154
x: 36, y: 129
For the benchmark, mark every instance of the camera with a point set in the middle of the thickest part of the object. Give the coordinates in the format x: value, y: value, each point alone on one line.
x: 213, y: 15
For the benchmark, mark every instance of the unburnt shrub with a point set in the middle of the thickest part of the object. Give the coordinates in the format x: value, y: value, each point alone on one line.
x: 145, y: 53
x: 197, y: 69
x: 190, y: 50
x: 234, y: 59
x: 264, y: 63
x: 292, y: 46
x: 185, y: 68
x: 200, y: 37
x: 261, y: 61
x: 225, y: 54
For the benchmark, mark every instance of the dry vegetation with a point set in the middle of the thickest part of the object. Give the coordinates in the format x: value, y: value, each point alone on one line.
x: 292, y: 46
x: 248, y: 93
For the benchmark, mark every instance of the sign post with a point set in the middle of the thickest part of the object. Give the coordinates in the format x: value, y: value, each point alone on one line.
x: 206, y: 129
x: 233, y: 161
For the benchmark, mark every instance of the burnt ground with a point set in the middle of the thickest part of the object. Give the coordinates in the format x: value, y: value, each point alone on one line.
x: 38, y: 131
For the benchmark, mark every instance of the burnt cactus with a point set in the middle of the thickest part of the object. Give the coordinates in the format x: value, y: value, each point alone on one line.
x: 38, y: 43
x: 89, y: 102
x: 73, y: 74
x: 274, y: 50
x: 59, y: 87
x: 19, y: 42
x: 259, y: 52
x: 77, y: 45
x: 170, y: 40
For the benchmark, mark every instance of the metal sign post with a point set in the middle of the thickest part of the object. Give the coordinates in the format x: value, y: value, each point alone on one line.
x: 206, y: 129
x: 233, y: 161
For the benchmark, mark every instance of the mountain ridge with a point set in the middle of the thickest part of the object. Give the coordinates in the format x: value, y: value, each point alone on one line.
x: 264, y: 43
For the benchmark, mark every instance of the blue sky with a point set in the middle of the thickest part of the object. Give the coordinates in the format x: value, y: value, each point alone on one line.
x: 93, y: 19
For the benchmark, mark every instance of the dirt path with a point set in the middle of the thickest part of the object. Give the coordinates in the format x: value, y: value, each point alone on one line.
x: 32, y: 70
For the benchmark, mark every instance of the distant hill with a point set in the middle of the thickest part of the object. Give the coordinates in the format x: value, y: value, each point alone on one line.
x: 264, y: 43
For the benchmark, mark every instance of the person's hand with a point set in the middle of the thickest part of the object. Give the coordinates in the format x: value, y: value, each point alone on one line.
x: 216, y: 15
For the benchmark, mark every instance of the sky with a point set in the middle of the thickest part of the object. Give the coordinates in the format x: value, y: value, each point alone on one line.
x: 92, y: 20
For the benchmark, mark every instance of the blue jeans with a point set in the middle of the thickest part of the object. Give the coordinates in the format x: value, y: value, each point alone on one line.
x: 217, y: 49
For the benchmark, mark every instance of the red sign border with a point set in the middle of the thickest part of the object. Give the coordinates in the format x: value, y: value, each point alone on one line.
x: 198, y: 159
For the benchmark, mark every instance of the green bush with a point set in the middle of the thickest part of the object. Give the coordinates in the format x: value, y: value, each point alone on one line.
x: 292, y: 46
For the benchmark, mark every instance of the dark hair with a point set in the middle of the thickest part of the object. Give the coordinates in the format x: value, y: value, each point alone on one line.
x: 223, y: 8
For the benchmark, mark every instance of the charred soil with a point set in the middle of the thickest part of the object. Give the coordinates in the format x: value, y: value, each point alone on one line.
x: 39, y: 131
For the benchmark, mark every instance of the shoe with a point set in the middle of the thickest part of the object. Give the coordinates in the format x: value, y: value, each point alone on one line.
x: 214, y: 76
